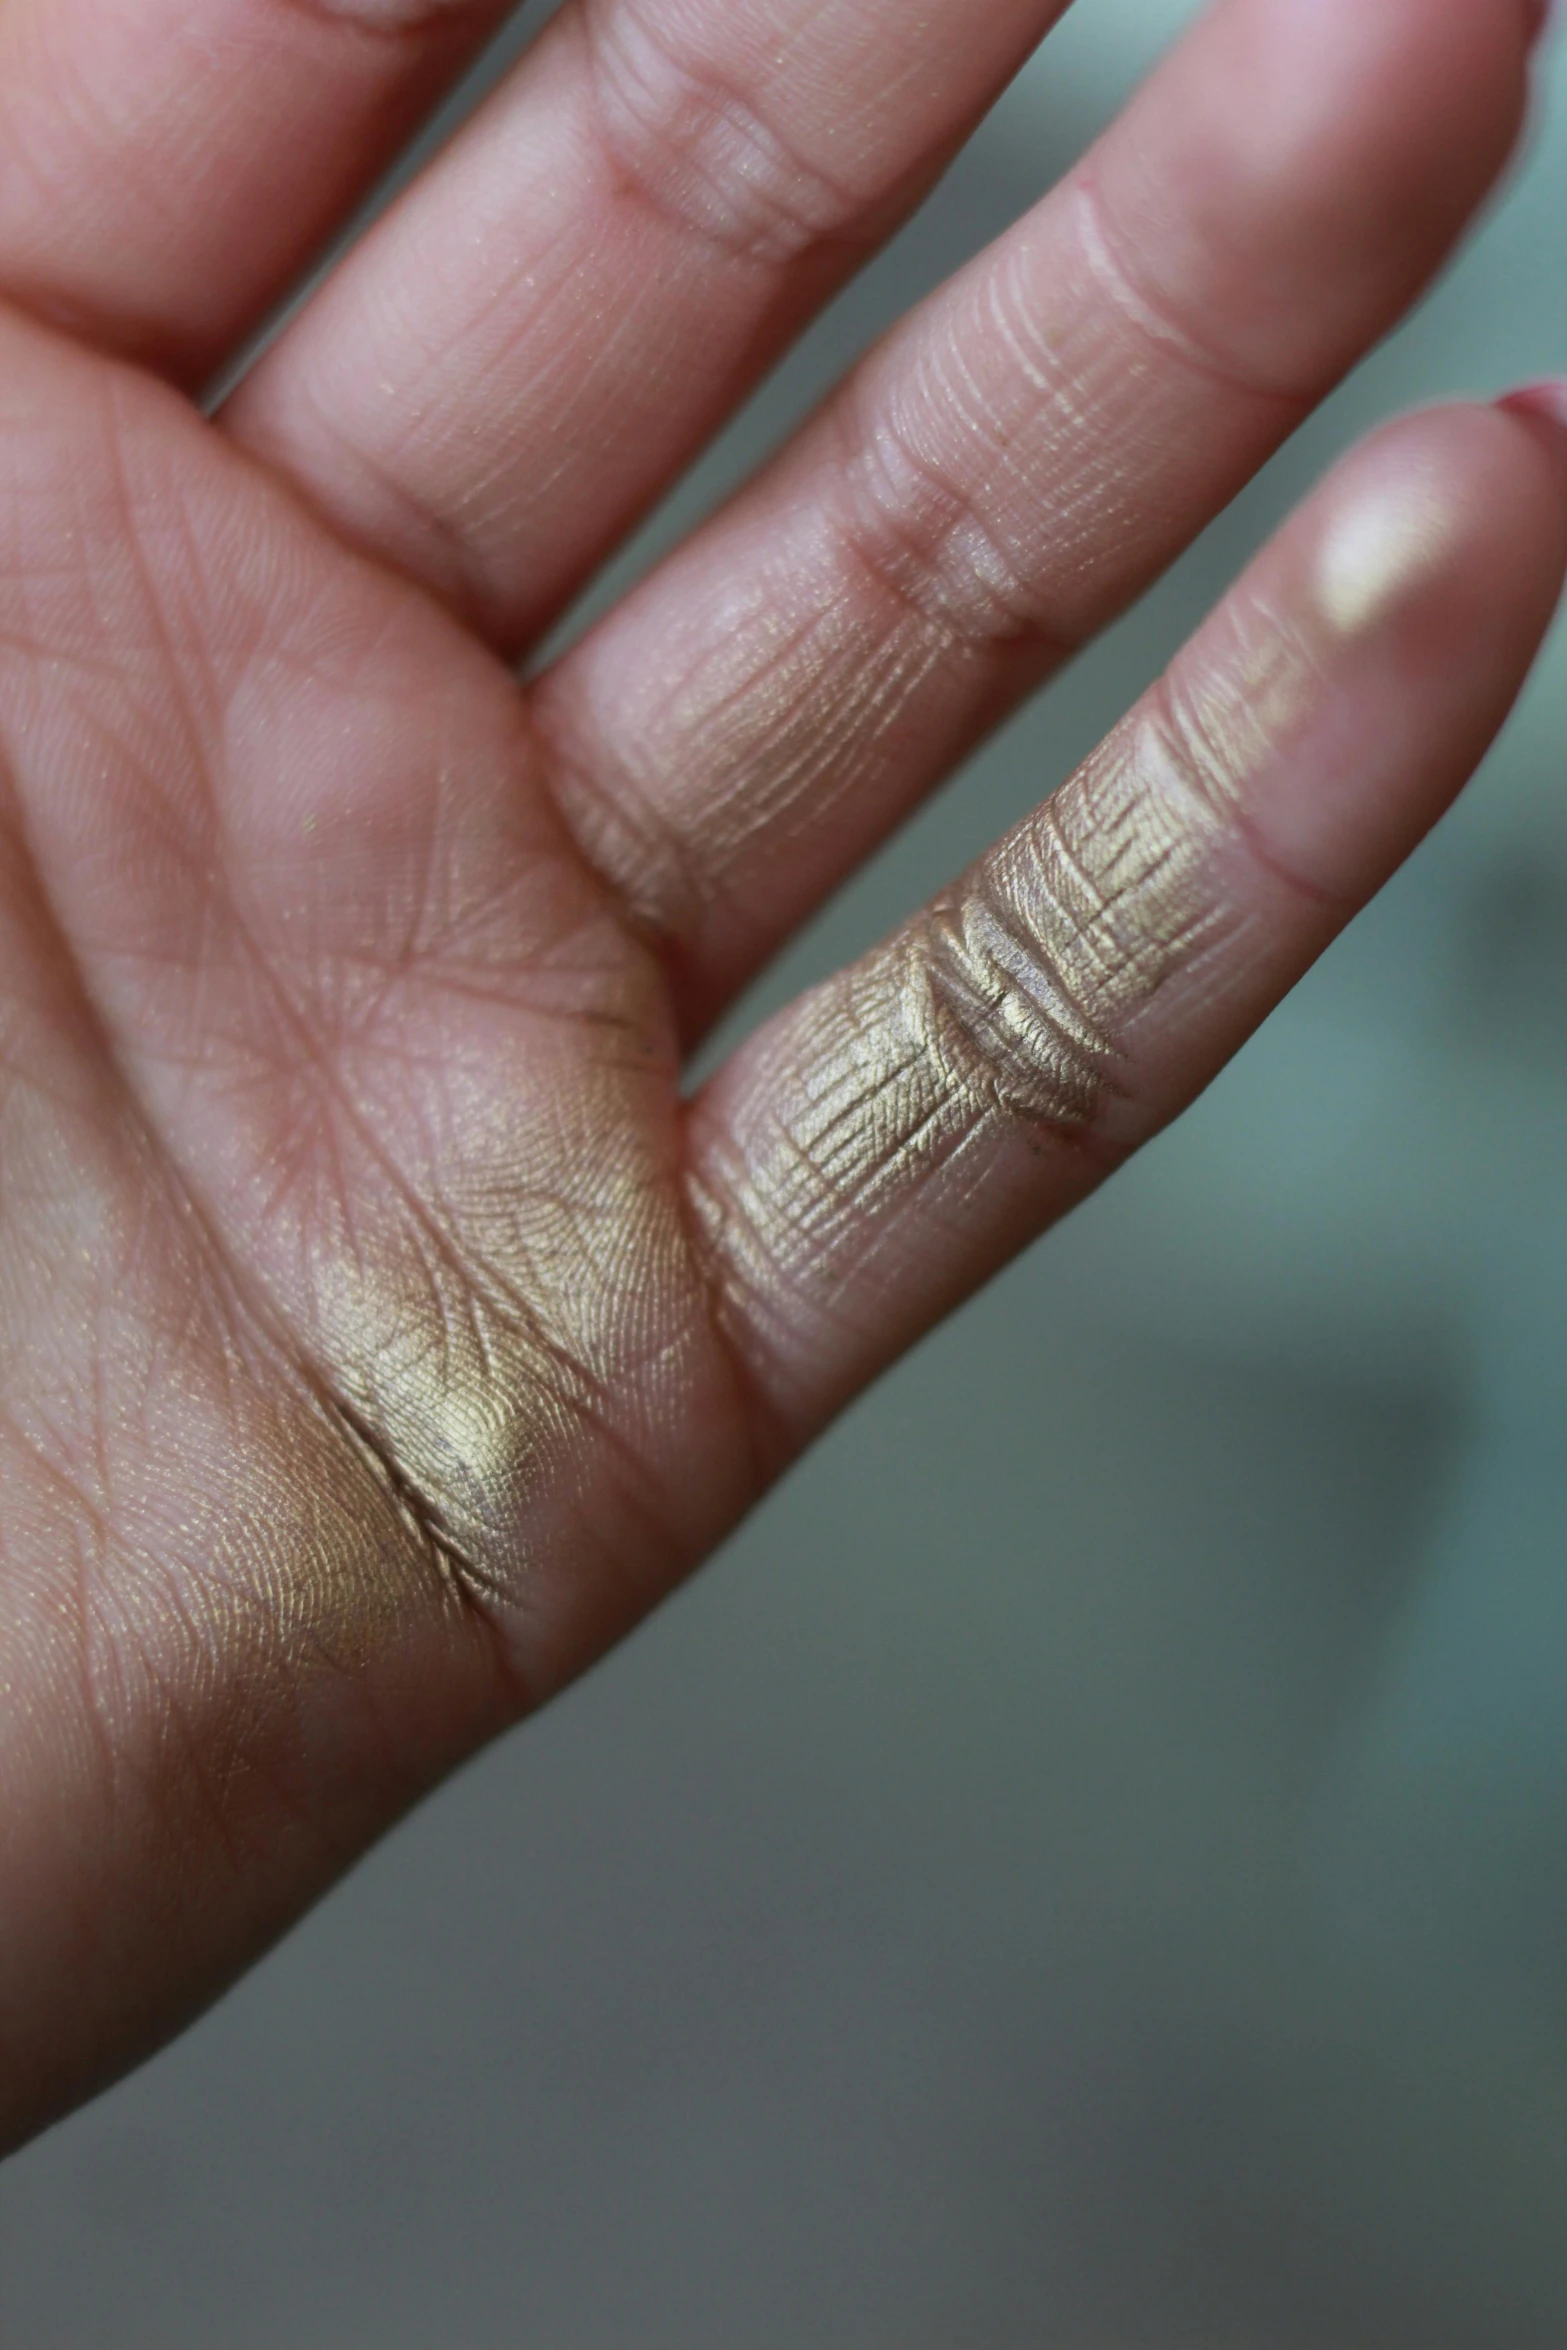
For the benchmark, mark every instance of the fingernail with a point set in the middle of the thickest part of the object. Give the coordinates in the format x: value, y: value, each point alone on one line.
x: 1544, y: 402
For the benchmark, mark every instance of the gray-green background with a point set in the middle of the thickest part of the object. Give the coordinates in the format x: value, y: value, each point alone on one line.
x: 1087, y: 1868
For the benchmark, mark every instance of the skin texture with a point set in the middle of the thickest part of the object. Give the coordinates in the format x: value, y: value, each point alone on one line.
x: 382, y: 1330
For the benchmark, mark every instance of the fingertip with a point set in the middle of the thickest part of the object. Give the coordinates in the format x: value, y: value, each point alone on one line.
x: 1536, y: 415
x: 1363, y: 667
x: 1460, y: 512
x: 1314, y: 143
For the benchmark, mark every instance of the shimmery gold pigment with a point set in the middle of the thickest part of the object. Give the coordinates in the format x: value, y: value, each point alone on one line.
x: 1004, y: 1003
x: 1379, y: 547
x: 1026, y: 977
x: 484, y: 1343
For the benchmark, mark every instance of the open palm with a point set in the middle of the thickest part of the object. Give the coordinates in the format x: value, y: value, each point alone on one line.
x: 381, y: 1330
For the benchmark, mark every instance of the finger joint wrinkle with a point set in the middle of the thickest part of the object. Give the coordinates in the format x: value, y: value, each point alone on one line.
x: 394, y: 20
x: 930, y: 538
x: 1007, y: 1001
x: 1033, y: 970
x: 1151, y: 314
x: 691, y: 146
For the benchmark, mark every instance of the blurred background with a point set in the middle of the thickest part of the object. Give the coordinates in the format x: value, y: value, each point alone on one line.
x: 1087, y: 1868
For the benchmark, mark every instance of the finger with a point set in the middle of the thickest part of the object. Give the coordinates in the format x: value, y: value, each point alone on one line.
x: 1017, y: 462
x: 171, y: 164
x: 552, y: 322
x: 452, y: 398
x: 881, y: 1147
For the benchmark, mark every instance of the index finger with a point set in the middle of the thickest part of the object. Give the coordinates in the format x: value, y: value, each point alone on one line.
x: 168, y: 166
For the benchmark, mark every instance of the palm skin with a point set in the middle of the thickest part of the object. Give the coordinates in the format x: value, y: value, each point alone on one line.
x: 381, y: 1331
x: 360, y: 1381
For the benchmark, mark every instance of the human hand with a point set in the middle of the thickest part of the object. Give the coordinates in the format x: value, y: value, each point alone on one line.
x: 380, y: 1331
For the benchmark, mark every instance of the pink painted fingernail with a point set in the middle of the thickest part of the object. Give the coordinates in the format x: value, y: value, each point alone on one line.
x: 1546, y: 400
